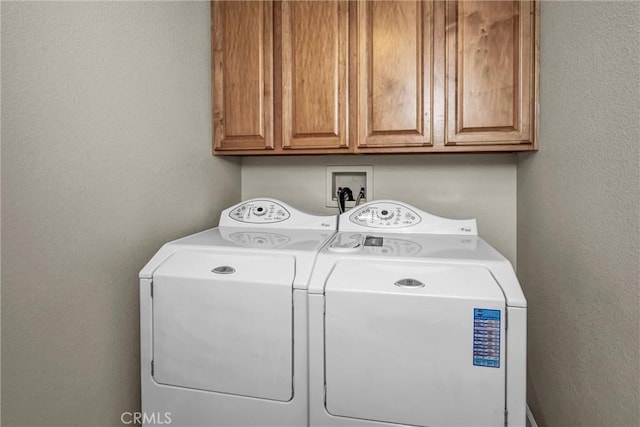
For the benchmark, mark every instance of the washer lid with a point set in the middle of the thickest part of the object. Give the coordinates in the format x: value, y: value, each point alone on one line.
x: 415, y: 344
x: 223, y: 323
x: 396, y: 277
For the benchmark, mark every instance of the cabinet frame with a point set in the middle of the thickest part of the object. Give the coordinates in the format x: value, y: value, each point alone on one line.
x: 443, y: 114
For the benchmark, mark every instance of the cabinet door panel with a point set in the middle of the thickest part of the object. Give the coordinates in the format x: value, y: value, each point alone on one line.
x: 314, y: 74
x: 394, y: 73
x: 490, y: 69
x: 242, y: 75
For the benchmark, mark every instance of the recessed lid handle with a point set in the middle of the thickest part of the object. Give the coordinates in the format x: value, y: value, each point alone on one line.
x: 409, y: 283
x: 224, y: 269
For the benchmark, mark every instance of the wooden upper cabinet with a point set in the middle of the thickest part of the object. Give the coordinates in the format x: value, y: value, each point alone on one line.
x: 242, y: 72
x: 401, y: 76
x: 314, y: 74
x: 490, y: 72
x: 394, y: 73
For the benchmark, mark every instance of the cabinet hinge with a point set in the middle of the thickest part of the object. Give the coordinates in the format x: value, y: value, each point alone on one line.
x: 506, y: 319
x: 152, y: 368
x: 506, y: 417
x: 325, y: 395
x: 151, y: 289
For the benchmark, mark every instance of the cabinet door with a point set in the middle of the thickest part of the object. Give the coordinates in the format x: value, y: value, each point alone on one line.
x: 395, y: 73
x: 242, y: 55
x: 314, y: 74
x: 489, y: 72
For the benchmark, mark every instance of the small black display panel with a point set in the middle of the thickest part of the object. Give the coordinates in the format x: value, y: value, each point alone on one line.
x: 373, y: 241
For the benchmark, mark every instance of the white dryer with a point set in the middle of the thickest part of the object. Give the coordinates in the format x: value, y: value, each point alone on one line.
x: 414, y: 320
x: 223, y: 320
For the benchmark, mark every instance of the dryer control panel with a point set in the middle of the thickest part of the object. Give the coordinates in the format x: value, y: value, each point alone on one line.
x: 260, y: 212
x: 385, y: 215
x: 268, y: 213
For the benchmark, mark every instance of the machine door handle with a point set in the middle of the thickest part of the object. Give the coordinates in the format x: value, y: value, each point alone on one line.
x: 409, y: 283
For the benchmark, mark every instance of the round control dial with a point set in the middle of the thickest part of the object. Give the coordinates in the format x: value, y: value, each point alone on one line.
x: 385, y: 214
x: 259, y: 211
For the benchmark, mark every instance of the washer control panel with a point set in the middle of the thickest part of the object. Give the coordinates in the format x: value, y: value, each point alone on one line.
x: 385, y: 215
x: 260, y: 212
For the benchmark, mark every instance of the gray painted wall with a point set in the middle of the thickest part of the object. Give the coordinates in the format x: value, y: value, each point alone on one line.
x: 457, y: 186
x: 106, y: 133
x: 578, y: 218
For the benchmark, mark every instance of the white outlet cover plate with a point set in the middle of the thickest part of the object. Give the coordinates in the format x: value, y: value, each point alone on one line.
x: 330, y: 200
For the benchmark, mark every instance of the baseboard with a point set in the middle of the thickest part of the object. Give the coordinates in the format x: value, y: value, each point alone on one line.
x: 531, y: 422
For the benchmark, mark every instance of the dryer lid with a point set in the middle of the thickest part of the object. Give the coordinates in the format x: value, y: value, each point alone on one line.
x: 223, y: 323
x: 218, y: 265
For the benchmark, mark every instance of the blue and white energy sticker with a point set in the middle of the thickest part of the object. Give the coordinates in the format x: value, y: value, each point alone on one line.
x: 486, y: 337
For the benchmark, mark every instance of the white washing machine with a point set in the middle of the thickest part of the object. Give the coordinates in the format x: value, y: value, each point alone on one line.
x: 414, y: 320
x: 223, y: 320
